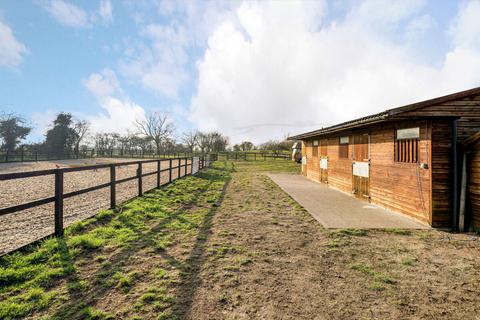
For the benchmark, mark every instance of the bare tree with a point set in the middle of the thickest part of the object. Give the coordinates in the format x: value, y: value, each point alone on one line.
x: 218, y: 142
x: 80, y: 130
x: 246, y: 146
x: 190, y: 139
x: 203, y: 142
x: 212, y: 142
x: 105, y: 142
x: 157, y: 127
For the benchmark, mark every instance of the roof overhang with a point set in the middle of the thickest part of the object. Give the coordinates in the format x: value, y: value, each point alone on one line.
x: 393, y: 114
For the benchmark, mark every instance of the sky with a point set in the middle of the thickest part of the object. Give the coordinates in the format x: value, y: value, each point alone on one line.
x: 251, y: 70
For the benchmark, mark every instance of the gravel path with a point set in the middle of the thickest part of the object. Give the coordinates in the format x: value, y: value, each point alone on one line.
x: 20, y: 228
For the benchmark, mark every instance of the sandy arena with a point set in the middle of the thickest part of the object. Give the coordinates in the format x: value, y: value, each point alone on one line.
x: 21, y: 228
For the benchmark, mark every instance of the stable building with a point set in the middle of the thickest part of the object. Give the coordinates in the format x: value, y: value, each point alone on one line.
x: 410, y: 159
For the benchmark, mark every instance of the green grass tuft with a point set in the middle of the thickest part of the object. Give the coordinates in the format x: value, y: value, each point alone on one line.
x: 378, y: 276
x: 402, y: 232
x: 351, y: 232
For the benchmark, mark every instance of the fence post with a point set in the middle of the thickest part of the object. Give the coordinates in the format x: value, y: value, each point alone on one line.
x: 191, y: 169
x: 58, y: 202
x: 139, y: 174
x: 179, y: 167
x: 113, y: 187
x: 170, y: 171
x: 158, y: 174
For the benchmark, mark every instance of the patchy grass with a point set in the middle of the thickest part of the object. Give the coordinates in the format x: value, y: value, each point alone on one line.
x: 68, y: 277
x: 275, y: 166
x: 192, y: 251
x: 402, y: 232
x: 350, y: 232
x: 377, y: 275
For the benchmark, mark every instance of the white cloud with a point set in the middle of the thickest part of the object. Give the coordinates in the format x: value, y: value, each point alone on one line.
x: 103, y: 84
x: 67, y: 14
x: 160, y: 59
x: 119, y: 113
x: 466, y: 29
x: 278, y: 63
x: 42, y: 121
x: 11, y: 50
x: 105, y: 11
x: 74, y: 16
x: 419, y: 27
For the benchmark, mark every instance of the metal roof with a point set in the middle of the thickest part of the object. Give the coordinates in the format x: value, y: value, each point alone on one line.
x: 386, y: 115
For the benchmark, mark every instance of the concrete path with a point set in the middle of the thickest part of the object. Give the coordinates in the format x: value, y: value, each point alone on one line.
x: 334, y: 209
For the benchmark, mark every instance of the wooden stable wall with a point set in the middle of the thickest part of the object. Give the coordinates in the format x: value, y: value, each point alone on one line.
x: 401, y: 187
x: 474, y: 184
x: 442, y: 174
x: 467, y: 109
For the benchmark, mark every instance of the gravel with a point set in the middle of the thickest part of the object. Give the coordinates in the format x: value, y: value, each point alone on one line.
x: 23, y: 227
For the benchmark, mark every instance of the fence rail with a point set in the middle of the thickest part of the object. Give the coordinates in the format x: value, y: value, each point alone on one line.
x: 253, y: 156
x: 185, y: 166
x: 24, y: 155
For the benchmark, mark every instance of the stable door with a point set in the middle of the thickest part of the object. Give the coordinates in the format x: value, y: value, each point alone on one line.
x: 361, y: 166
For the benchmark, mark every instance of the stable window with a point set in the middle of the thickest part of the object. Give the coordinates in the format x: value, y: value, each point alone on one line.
x: 406, y: 145
x: 315, y: 148
x: 343, y: 148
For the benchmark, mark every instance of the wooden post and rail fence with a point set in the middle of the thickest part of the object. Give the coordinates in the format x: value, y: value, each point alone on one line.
x: 35, y: 155
x: 183, y: 163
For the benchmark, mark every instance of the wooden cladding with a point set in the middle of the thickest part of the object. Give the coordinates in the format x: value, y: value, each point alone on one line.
x: 343, y: 148
x: 360, y: 148
x: 323, y: 147
x: 474, y: 185
x: 314, y: 151
x: 406, y: 150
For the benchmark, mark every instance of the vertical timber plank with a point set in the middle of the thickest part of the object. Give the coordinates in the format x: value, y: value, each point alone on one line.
x: 113, y: 187
x: 139, y: 174
x: 58, y: 202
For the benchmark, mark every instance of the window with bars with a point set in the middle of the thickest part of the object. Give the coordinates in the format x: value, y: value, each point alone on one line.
x: 343, y: 148
x: 406, y: 145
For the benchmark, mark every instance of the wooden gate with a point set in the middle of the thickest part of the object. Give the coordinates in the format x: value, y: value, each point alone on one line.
x: 323, y: 161
x: 361, y: 166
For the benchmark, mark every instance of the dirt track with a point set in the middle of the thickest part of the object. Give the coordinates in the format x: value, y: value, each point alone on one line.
x: 266, y: 258
x: 21, y: 228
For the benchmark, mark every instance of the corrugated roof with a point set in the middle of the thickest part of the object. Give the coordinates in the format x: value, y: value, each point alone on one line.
x: 385, y: 115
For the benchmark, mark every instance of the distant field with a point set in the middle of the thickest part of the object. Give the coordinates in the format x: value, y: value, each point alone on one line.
x: 23, y: 227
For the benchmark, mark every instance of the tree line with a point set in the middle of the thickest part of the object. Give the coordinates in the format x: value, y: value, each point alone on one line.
x: 153, y: 135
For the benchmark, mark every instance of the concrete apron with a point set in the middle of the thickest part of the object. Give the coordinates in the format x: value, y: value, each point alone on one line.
x: 334, y: 209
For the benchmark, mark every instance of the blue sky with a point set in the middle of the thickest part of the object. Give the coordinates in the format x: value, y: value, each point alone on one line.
x: 252, y: 70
